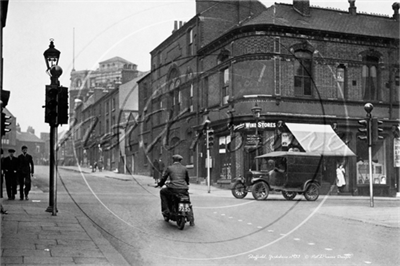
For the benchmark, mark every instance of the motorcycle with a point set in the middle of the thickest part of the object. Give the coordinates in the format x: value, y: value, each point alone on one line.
x: 181, y: 210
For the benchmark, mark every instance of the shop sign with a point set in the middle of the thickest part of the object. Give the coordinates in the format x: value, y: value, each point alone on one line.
x: 248, y: 125
x: 396, y: 154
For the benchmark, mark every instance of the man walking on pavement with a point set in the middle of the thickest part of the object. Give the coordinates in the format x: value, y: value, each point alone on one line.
x: 10, y: 168
x: 26, y: 170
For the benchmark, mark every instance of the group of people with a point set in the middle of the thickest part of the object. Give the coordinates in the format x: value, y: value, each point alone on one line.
x: 17, y: 171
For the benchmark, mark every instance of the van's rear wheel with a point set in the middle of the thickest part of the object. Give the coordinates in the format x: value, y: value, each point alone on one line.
x: 312, y: 192
x: 239, y: 190
x: 289, y: 195
x: 260, y: 191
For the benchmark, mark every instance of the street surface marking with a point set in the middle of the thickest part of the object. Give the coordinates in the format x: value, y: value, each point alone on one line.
x: 296, y: 239
x: 328, y: 249
x: 249, y: 223
x: 311, y: 244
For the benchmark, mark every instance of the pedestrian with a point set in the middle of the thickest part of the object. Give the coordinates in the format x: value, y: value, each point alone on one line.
x: 2, y: 210
x: 100, y: 165
x: 10, y: 169
x: 340, y: 180
x: 161, y: 167
x: 26, y: 170
x: 156, y: 171
x: 1, y: 175
x: 94, y: 167
x: 178, y: 184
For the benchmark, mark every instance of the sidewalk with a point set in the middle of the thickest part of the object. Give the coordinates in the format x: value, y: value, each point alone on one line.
x: 31, y: 236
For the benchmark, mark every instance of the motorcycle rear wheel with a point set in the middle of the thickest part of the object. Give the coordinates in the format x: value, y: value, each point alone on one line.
x: 181, y: 222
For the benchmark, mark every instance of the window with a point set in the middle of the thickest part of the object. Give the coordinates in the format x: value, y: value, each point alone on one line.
x: 397, y: 87
x: 340, y: 82
x: 302, y: 76
x: 225, y: 86
x: 190, y: 41
x: 190, y: 100
x: 159, y: 61
x: 370, y: 78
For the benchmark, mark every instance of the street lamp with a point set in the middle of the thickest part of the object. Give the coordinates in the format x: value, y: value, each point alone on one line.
x: 52, y: 56
x: 256, y: 110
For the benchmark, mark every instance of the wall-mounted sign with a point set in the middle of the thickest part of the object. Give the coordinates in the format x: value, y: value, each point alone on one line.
x: 248, y: 125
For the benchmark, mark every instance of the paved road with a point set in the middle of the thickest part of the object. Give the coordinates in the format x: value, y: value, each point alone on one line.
x: 231, y: 231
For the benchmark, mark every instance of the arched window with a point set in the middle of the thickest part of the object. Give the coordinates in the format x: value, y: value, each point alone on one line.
x: 370, y: 76
x: 303, y: 73
x: 340, y: 82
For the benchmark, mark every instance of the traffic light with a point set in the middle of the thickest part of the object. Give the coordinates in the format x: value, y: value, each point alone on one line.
x: 5, y: 123
x: 62, y: 108
x: 363, y: 130
x: 376, y: 130
x: 210, y: 138
x: 50, y: 115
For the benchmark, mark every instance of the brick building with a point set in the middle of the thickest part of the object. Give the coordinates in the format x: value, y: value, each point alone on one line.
x: 302, y: 65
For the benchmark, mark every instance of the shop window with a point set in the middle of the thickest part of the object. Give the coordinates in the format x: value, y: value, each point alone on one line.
x: 225, y: 85
x: 224, y: 143
x: 303, y: 73
x: 370, y: 78
x: 379, y: 175
x: 340, y: 82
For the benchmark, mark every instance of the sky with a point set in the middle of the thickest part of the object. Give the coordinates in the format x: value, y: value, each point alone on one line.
x: 87, y: 32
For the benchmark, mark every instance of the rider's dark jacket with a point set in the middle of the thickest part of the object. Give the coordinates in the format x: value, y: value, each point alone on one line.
x: 178, y: 176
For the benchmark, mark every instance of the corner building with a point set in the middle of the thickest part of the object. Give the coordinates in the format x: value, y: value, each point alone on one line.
x: 302, y: 65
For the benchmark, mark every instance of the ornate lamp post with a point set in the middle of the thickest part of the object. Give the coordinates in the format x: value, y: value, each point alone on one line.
x: 256, y: 110
x: 52, y: 56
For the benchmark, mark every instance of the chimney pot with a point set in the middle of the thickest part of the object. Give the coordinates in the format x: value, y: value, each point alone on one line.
x: 395, y: 7
x: 352, y: 8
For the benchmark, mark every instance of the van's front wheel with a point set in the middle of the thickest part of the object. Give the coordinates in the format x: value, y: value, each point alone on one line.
x: 260, y: 190
x: 239, y: 190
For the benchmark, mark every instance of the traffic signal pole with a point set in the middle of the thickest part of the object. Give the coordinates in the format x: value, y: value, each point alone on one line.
x: 370, y: 133
x: 56, y: 113
x: 371, y: 181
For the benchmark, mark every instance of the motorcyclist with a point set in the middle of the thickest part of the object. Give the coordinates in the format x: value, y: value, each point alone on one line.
x: 179, y: 184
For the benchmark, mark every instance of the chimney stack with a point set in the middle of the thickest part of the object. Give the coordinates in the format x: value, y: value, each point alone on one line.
x: 352, y: 8
x: 395, y: 7
x: 302, y: 6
